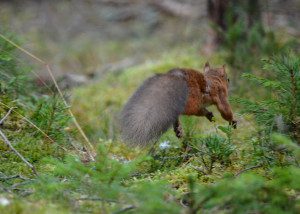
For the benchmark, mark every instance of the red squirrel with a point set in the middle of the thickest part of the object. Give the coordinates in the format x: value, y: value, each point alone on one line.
x: 160, y: 100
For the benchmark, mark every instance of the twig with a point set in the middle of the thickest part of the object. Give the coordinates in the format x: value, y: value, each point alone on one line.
x: 97, y: 199
x: 212, y: 161
x: 204, y: 163
x: 7, y: 142
x: 199, y: 169
x: 26, y: 192
x: 125, y: 209
x: 32, y: 124
x: 247, y: 169
x: 89, y: 147
x: 16, y: 185
x: 129, y: 207
x: 7, y: 114
x: 13, y: 177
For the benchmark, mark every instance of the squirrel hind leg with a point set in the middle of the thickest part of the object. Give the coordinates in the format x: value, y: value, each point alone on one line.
x: 178, y: 129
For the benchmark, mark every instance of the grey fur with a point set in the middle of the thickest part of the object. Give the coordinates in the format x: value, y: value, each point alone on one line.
x: 153, y: 108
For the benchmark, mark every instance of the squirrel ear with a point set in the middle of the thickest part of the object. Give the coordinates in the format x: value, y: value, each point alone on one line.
x: 223, y: 68
x: 206, y: 67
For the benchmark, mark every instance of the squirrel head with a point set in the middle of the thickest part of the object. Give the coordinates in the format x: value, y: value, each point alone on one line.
x: 218, y: 72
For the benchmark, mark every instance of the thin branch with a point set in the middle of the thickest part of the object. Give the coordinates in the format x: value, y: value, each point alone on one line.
x: 31, y: 123
x: 204, y: 162
x: 16, y: 185
x: 5, y: 178
x: 247, y: 169
x: 35, y: 74
x: 129, y: 207
x: 199, y: 169
x: 7, y: 142
x: 125, y: 209
x: 97, y: 199
x: 22, y: 49
x: 89, y: 147
x: 35, y: 126
x: 7, y: 114
x: 90, y: 150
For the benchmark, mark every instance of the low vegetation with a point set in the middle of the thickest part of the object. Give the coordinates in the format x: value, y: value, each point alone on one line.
x: 213, y: 169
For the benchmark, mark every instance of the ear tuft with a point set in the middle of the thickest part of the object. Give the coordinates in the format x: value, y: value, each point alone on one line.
x: 206, y: 67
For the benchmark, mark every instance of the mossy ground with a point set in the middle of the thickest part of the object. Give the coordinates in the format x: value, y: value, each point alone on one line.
x: 97, y: 106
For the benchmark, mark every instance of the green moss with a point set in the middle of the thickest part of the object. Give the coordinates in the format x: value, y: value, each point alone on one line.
x: 21, y: 206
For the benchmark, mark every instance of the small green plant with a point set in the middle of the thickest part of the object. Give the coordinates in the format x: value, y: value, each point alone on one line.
x: 266, y: 153
x: 246, y: 40
x: 36, y: 126
x: 227, y: 130
x: 50, y: 115
x: 280, y: 111
x: 218, y: 149
x: 106, y: 182
x: 212, y: 149
x: 284, y: 142
x: 248, y: 193
x: 207, y: 149
x: 14, y: 78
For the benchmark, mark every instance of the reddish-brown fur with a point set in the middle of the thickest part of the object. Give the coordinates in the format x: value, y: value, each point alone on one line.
x: 218, y: 93
x: 208, y: 88
x: 196, y: 84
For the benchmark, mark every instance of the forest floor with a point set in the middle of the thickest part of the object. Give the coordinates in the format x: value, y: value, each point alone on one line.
x: 212, y: 169
x: 96, y: 107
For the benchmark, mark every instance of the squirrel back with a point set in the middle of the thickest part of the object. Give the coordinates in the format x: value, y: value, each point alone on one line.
x: 154, y: 107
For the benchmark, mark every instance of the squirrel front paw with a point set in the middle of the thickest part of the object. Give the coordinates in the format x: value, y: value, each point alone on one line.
x: 233, y: 123
x: 210, y: 116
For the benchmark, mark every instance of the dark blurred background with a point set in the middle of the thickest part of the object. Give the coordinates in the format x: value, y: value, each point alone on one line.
x: 88, y: 36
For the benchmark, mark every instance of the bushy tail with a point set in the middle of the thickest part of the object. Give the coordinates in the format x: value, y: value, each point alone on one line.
x: 153, y: 108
